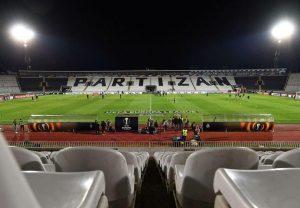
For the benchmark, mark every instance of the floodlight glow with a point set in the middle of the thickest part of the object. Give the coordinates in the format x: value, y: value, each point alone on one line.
x: 283, y: 30
x: 22, y: 33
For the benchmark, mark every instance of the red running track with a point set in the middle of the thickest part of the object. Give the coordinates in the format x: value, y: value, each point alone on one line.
x: 286, y: 132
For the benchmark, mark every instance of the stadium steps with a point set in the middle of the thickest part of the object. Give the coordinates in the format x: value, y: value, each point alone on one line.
x: 171, y: 80
x: 153, y: 192
x: 129, y: 84
x: 216, y: 86
x: 111, y: 79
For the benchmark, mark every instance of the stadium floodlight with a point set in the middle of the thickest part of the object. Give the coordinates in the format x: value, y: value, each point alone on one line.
x: 24, y: 35
x: 283, y: 30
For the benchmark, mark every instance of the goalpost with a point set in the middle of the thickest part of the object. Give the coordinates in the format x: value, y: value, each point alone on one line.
x: 297, y: 95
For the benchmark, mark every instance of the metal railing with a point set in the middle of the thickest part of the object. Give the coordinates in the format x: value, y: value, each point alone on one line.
x: 56, y: 145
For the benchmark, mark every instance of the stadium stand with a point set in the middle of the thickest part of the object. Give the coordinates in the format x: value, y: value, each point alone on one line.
x: 9, y: 84
x: 293, y: 84
x: 180, y: 81
x: 194, y: 170
x: 27, y: 160
x: 220, y: 177
x: 288, y: 159
x: 43, y: 190
x: 119, y: 173
x: 33, y: 84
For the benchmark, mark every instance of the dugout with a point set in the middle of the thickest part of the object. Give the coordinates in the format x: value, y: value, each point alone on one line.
x: 238, y: 123
x: 58, y: 123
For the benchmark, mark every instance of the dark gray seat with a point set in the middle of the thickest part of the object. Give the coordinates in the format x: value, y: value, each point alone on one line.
x: 289, y: 159
x: 27, y: 159
x: 119, y: 177
x: 194, y: 180
x: 276, y: 188
x: 56, y: 190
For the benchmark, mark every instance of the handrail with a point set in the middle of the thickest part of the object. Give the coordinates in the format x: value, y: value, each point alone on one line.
x: 157, y: 144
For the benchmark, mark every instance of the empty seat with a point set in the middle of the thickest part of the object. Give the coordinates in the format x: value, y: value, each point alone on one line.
x: 15, y: 191
x: 179, y: 158
x: 270, y: 158
x: 194, y: 180
x: 131, y: 159
x: 27, y: 159
x: 289, y: 159
x: 119, y: 177
x: 276, y: 188
x: 82, y: 189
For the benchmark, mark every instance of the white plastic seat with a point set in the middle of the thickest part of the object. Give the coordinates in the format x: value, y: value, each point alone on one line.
x: 15, y: 191
x: 276, y: 188
x: 179, y: 158
x: 270, y: 158
x: 56, y: 190
x: 27, y: 159
x: 119, y: 177
x: 289, y: 159
x: 131, y: 159
x: 194, y: 180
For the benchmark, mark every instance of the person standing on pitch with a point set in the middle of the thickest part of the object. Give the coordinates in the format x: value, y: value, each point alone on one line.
x: 15, y: 125
x: 174, y: 100
x: 21, y: 124
x: 184, y: 134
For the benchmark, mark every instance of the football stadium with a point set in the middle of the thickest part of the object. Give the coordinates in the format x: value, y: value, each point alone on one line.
x: 141, y: 137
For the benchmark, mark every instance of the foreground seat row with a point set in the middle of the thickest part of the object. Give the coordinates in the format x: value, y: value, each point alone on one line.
x: 121, y: 172
x: 196, y: 178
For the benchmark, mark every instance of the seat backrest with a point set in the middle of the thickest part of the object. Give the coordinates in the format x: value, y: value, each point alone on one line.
x: 15, y: 191
x: 179, y: 158
x: 131, y: 159
x: 289, y: 159
x: 201, y: 166
x: 270, y: 158
x: 111, y: 162
x: 27, y: 159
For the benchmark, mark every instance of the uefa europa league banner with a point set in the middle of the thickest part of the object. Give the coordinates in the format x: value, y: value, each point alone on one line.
x: 127, y: 123
x: 238, y: 126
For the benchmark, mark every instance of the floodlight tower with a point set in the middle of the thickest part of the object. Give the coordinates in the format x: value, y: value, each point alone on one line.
x: 24, y: 35
x: 282, y: 31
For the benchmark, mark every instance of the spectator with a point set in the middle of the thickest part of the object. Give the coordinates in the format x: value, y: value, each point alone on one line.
x: 103, y: 127
x: 21, y: 124
x: 156, y: 125
x: 15, y: 125
x: 193, y: 126
x: 184, y: 134
x: 165, y: 125
x: 97, y: 127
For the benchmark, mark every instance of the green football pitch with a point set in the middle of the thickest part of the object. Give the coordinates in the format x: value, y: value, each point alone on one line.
x: 284, y: 110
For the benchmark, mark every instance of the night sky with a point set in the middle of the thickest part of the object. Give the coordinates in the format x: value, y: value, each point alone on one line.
x: 86, y: 35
